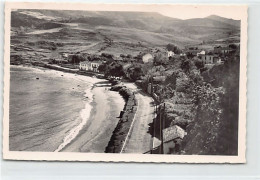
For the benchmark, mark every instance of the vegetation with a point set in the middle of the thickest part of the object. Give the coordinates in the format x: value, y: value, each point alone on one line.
x: 112, y: 68
x: 173, y: 48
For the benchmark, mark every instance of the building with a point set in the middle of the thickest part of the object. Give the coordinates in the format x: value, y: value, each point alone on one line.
x: 147, y: 58
x: 201, y: 53
x: 171, y: 139
x: 226, y: 50
x: 84, y: 65
x: 222, y: 50
x: 210, y: 59
x: 170, y: 54
x: 207, y: 59
x: 89, y: 66
x: 94, y: 66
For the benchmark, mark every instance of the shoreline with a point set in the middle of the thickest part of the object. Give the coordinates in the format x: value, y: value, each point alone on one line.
x: 106, y: 108
x: 103, y: 108
x: 94, y: 97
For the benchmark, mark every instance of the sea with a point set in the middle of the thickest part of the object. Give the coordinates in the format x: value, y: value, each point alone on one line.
x: 48, y: 108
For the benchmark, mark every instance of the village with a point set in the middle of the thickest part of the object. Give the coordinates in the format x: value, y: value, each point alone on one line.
x: 90, y: 63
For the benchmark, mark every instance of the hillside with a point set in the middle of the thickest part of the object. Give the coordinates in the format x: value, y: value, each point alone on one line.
x: 115, y: 32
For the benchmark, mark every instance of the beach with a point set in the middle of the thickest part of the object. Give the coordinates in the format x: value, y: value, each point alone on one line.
x: 57, y: 111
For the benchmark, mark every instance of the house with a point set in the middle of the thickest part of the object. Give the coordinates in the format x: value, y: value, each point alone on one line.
x: 89, y: 66
x: 94, y: 66
x: 210, y: 59
x: 207, y: 59
x: 201, y: 53
x: 170, y: 54
x: 147, y: 58
x: 84, y: 65
x: 171, y: 137
x: 226, y: 50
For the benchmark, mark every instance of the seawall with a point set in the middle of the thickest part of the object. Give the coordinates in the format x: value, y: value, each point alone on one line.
x: 119, y: 134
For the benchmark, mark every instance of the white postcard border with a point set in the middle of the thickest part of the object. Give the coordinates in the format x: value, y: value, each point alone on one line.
x: 103, y: 157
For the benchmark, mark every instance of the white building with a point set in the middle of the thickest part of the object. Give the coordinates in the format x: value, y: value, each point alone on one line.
x: 89, y: 66
x: 170, y: 54
x: 201, y: 53
x: 147, y: 58
x: 84, y: 65
x: 94, y: 66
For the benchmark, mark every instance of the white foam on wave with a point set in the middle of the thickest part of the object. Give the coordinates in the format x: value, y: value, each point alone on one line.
x: 84, y: 114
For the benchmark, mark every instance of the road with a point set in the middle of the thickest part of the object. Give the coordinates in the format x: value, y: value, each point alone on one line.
x: 140, y: 140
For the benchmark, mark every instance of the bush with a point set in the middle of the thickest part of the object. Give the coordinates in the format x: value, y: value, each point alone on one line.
x: 173, y: 48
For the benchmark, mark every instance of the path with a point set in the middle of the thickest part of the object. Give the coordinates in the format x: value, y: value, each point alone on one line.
x: 140, y: 140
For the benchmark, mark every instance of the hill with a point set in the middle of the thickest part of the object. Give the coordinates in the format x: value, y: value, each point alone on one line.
x: 118, y: 32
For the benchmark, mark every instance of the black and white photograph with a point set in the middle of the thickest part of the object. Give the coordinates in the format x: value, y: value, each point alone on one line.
x: 131, y: 83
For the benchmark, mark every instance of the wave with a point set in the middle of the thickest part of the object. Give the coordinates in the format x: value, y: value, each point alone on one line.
x: 84, y: 114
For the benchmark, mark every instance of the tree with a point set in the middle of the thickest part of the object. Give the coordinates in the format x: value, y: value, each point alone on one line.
x: 116, y: 69
x: 136, y: 73
x: 185, y: 66
x: 103, y: 68
x: 199, y: 63
x: 77, y: 58
x: 233, y: 46
x: 173, y: 48
x: 160, y: 59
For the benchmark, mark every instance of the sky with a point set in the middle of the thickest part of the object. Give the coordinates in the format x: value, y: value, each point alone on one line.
x: 189, y: 12
x: 179, y: 11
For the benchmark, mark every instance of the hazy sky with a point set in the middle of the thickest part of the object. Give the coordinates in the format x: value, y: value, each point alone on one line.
x: 189, y: 12
x: 171, y: 10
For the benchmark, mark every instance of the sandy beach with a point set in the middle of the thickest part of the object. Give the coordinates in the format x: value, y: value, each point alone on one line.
x: 95, y: 135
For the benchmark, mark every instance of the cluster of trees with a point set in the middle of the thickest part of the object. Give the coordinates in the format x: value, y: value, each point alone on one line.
x: 111, y: 68
x: 160, y: 59
x: 136, y: 72
x: 212, y: 125
x: 215, y: 104
x: 173, y: 48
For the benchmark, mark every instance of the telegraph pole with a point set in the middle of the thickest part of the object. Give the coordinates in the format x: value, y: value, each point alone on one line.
x: 160, y: 111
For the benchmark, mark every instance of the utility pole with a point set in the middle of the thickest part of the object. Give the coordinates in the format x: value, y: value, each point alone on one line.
x: 163, y: 125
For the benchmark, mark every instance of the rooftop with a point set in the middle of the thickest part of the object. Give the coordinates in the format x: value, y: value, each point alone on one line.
x: 172, y: 133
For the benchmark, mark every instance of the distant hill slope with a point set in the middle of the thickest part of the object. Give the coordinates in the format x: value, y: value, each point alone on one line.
x: 158, y: 27
x: 225, y: 20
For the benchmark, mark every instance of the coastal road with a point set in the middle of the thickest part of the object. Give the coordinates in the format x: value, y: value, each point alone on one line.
x: 140, y: 140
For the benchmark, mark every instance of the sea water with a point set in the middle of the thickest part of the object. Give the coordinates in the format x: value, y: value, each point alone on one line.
x: 47, y: 108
